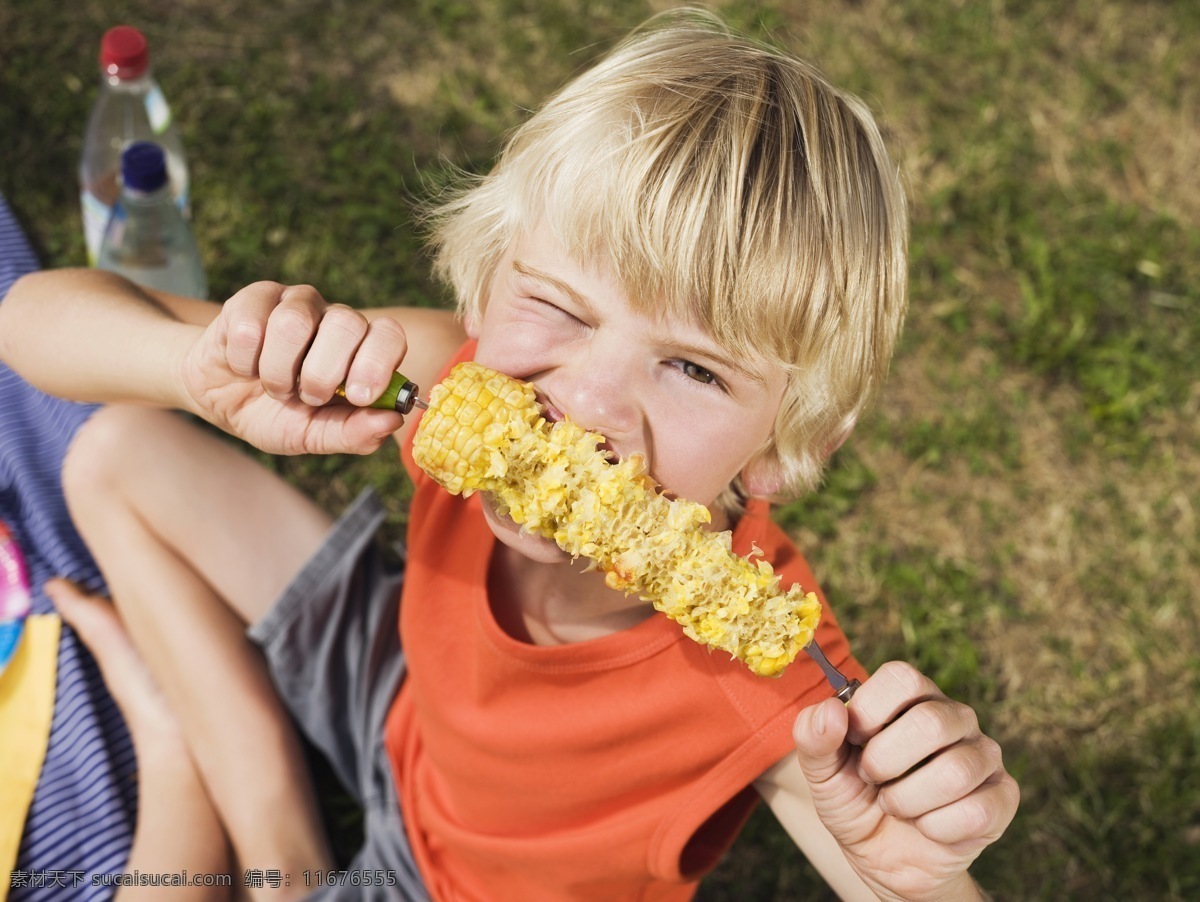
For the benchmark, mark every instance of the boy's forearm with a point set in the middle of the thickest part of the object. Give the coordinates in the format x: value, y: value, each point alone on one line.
x: 88, y: 335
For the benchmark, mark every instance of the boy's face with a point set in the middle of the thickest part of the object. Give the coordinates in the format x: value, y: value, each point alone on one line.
x: 663, y: 389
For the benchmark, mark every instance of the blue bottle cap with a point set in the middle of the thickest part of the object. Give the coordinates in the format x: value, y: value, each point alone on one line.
x: 144, y: 166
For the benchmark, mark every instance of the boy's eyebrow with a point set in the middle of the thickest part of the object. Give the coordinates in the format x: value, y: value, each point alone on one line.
x: 535, y: 273
x: 682, y: 348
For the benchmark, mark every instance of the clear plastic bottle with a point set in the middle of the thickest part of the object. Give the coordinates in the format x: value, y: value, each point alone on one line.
x: 147, y: 238
x: 130, y: 107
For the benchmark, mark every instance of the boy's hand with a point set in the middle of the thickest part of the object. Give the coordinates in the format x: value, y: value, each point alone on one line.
x: 906, y: 783
x: 266, y: 368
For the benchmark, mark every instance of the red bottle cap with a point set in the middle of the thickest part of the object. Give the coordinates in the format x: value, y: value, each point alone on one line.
x: 123, y: 52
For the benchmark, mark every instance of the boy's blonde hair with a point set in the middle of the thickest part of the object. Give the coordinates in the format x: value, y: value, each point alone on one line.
x: 729, y: 184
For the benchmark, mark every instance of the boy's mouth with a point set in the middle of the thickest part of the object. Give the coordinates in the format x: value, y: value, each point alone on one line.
x: 554, y: 415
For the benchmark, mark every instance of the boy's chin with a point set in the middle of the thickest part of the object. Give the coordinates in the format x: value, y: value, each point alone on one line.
x: 536, y: 548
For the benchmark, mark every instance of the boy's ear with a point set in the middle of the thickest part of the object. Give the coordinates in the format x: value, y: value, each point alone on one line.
x: 762, y: 477
x: 471, y: 325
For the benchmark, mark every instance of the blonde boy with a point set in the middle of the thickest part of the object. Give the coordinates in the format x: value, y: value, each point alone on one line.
x: 697, y: 249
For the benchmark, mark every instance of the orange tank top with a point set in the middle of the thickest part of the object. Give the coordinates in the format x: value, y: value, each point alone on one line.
x: 615, y: 768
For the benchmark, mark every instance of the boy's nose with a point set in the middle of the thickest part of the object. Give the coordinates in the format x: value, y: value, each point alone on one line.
x: 601, y: 396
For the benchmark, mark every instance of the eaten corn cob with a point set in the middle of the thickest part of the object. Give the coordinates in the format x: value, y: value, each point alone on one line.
x: 485, y: 432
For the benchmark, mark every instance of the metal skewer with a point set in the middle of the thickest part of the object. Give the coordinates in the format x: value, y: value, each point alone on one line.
x: 843, y: 689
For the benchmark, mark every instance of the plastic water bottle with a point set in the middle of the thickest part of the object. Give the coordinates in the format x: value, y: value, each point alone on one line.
x: 130, y: 107
x: 147, y: 239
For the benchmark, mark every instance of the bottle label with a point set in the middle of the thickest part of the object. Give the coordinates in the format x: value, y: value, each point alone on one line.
x: 183, y: 202
x: 95, y: 218
x: 157, y: 110
x: 96, y: 214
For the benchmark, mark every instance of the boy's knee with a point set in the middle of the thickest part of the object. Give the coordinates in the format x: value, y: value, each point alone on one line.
x: 104, y: 451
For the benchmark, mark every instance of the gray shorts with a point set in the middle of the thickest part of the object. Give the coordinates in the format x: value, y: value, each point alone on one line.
x: 333, y: 647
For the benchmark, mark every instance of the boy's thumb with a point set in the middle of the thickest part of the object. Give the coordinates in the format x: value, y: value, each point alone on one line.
x: 819, y: 733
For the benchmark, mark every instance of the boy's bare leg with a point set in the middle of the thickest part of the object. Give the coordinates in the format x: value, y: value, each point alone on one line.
x: 177, y: 827
x: 195, y: 540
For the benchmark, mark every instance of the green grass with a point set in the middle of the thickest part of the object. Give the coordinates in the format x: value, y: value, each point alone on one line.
x: 1017, y: 515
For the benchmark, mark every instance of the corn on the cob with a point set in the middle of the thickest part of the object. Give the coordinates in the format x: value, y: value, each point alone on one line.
x: 485, y: 432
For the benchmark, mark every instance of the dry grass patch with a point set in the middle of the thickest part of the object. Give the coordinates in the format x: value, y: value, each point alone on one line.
x: 1096, y: 557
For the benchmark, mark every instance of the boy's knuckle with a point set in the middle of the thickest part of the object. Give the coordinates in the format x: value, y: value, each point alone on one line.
x: 268, y: 285
x: 975, y: 816
x: 345, y: 320
x: 992, y: 753
x: 869, y: 768
x: 932, y: 721
x: 372, y: 366
x: 293, y: 324
x: 961, y: 774
x: 387, y: 328
x: 254, y: 293
x: 1011, y: 790
x: 303, y: 294
x: 906, y: 677
x: 245, y: 332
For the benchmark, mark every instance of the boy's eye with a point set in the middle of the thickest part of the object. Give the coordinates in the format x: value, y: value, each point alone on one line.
x: 699, y: 373
x: 554, y: 308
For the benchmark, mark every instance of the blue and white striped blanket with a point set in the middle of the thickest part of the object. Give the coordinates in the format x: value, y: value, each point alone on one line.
x: 82, y: 817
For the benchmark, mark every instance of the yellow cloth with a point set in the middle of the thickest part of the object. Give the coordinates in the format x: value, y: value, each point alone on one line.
x: 26, y: 709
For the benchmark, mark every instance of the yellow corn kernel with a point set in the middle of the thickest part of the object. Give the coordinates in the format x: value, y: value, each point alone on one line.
x: 469, y: 418
x: 485, y: 432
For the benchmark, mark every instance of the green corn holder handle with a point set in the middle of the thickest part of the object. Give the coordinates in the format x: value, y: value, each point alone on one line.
x: 401, y: 395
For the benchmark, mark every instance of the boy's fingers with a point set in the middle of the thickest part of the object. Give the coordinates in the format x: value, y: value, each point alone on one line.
x: 244, y: 320
x: 922, y: 730
x: 326, y: 362
x: 379, y: 355
x: 952, y: 775
x: 979, y: 818
x: 891, y: 690
x: 291, y: 327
